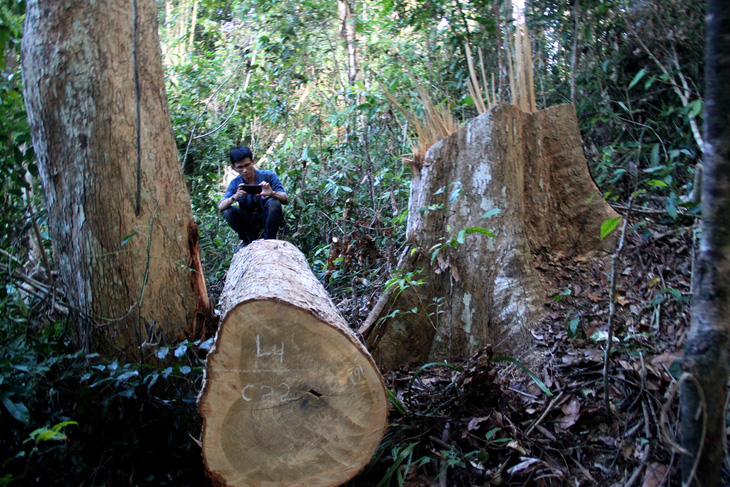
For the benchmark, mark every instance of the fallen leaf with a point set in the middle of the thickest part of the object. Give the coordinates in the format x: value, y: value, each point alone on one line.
x: 571, y: 411
x: 474, y: 423
x: 595, y: 355
x: 522, y: 465
x: 516, y: 446
x: 627, y: 451
x: 607, y: 440
x: 654, y: 475
x: 667, y: 358
x: 537, y: 337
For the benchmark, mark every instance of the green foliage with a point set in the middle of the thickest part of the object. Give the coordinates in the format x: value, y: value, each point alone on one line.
x: 273, y: 75
x: 403, y: 280
x: 403, y: 459
x: 609, y: 226
x: 522, y: 366
x: 64, y: 411
x: 17, y: 158
x: 572, y: 323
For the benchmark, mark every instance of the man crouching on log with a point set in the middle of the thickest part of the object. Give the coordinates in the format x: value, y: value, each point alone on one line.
x: 259, y: 194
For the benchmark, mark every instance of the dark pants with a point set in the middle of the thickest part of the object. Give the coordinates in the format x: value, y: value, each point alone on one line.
x: 250, y: 226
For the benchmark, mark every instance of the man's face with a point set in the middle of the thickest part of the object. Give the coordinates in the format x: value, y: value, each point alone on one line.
x: 246, y: 170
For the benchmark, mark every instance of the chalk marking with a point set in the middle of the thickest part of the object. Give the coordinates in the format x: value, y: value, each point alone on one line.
x: 274, y: 351
x: 356, y: 374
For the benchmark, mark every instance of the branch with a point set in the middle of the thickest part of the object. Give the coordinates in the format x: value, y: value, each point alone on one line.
x: 612, y: 308
x: 38, y: 289
x: 683, y: 95
x: 210, y: 99
x: 224, y: 121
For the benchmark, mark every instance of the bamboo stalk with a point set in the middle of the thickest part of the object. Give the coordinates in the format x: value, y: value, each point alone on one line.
x: 518, y: 69
x: 511, y: 74
x: 529, y: 76
x: 437, y: 124
x: 474, y: 89
x: 490, y: 103
x: 473, y: 95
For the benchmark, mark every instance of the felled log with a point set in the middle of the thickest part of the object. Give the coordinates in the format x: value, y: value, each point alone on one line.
x: 290, y: 395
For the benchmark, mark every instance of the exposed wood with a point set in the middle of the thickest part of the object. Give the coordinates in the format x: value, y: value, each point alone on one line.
x: 204, y: 324
x: 291, y: 397
x: 462, y: 291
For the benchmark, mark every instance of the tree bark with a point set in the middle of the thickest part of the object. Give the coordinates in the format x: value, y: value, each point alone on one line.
x: 574, y: 51
x: 119, y: 212
x: 705, y: 364
x: 458, y: 290
x: 347, y: 31
x: 290, y: 396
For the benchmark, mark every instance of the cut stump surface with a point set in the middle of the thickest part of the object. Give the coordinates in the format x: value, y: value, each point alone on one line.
x: 291, y: 397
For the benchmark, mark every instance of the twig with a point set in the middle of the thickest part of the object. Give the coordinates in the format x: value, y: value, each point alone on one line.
x: 635, y: 476
x: 36, y: 288
x: 195, y: 125
x: 642, y: 374
x: 612, y: 309
x: 224, y: 122
x: 683, y: 95
x: 583, y: 470
x: 37, y: 234
x: 539, y: 420
x: 10, y: 256
x: 443, y: 480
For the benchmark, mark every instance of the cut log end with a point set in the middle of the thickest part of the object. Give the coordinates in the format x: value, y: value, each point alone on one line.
x: 288, y: 399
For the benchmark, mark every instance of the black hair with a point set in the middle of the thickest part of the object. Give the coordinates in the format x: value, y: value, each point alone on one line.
x: 240, y: 153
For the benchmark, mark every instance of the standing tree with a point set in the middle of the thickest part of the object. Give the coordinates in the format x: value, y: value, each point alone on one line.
x: 119, y: 213
x: 706, y: 351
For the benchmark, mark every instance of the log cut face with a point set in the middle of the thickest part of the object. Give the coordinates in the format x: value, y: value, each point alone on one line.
x: 291, y: 397
x: 474, y: 289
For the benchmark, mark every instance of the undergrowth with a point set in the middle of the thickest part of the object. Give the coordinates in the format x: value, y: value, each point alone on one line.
x: 73, y: 419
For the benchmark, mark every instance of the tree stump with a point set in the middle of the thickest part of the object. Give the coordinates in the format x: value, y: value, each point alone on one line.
x: 521, y: 176
x: 290, y: 395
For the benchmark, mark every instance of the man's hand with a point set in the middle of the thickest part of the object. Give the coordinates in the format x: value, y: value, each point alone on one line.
x: 266, y: 189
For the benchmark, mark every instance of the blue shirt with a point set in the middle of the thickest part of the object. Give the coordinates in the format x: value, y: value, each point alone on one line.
x: 252, y: 202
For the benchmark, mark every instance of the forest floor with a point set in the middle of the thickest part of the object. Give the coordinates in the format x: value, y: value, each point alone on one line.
x: 487, y: 422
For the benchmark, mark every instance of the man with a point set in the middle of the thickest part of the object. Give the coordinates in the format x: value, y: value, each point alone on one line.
x: 259, y: 211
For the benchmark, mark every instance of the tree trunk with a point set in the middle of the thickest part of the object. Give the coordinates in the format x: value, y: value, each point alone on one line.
x: 574, y: 51
x: 456, y: 289
x: 290, y: 397
x: 191, y: 36
x: 119, y: 214
x: 705, y: 363
x: 347, y: 31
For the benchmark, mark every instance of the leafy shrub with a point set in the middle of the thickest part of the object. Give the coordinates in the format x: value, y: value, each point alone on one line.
x: 72, y: 419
